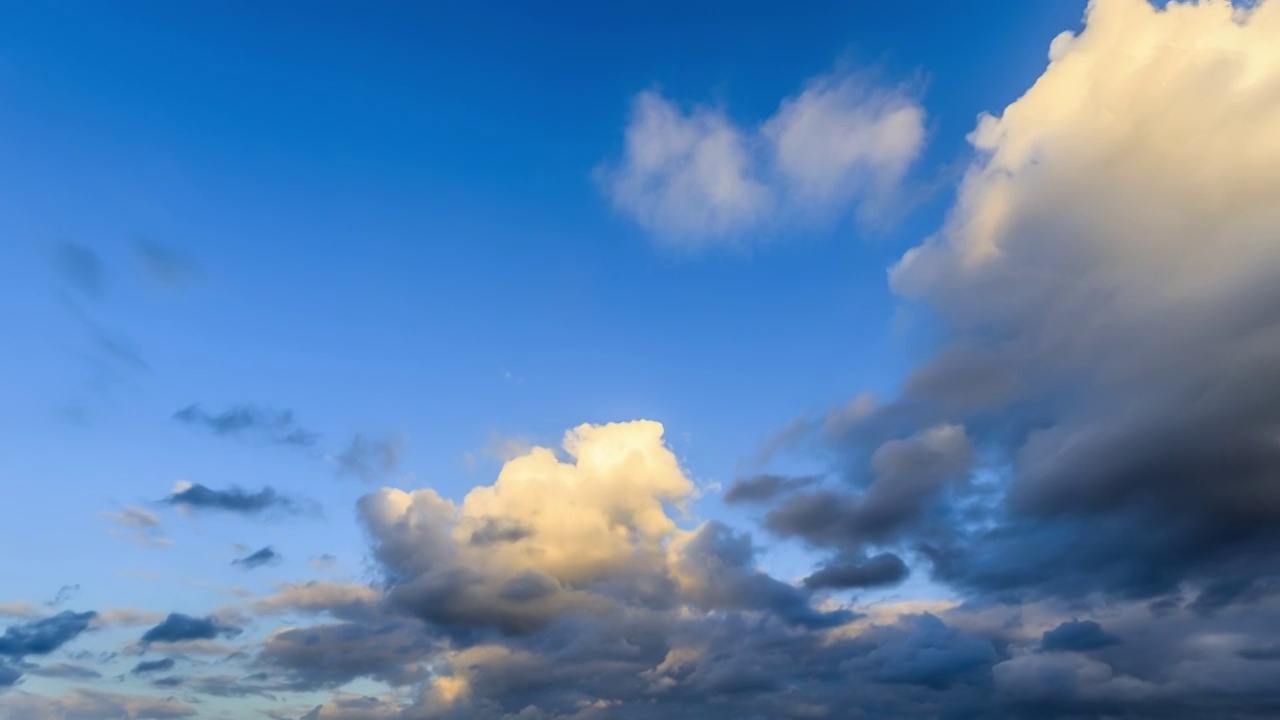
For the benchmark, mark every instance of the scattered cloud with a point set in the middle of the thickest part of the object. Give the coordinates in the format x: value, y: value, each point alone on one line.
x: 43, y: 636
x: 697, y: 179
x: 139, y: 526
x: 195, y: 497
x: 164, y: 265
x: 83, y: 704
x: 274, y: 427
x: 151, y: 666
x: 259, y: 558
x: 178, y: 627
x: 370, y: 459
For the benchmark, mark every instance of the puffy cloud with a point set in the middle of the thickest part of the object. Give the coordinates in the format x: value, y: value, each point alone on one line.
x: 334, y: 654
x: 697, y: 179
x: 535, y: 543
x: 860, y: 572
x: 1106, y: 290
x: 908, y: 474
x: 178, y: 627
x: 1078, y: 635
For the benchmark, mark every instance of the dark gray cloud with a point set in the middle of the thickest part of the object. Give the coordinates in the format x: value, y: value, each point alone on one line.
x: 860, y: 572
x: 164, y: 265
x: 370, y: 459
x: 764, y: 487
x: 331, y: 655
x: 9, y: 676
x: 1268, y: 652
x: 259, y: 558
x: 908, y: 476
x: 178, y: 627
x: 1077, y: 635
x: 234, y: 500
x: 151, y: 666
x: 276, y: 427
x: 723, y: 561
x: 43, y: 636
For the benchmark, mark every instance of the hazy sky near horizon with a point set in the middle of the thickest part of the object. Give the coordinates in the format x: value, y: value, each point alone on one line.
x: 626, y: 361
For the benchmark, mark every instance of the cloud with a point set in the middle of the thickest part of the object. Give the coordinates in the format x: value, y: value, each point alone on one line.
x: 860, y: 572
x: 139, y: 526
x: 696, y: 179
x: 259, y: 558
x: 150, y: 666
x: 764, y: 487
x: 328, y: 656
x: 64, y: 671
x: 908, y: 474
x: 322, y: 562
x: 1105, y: 287
x: 81, y: 268
x: 178, y: 627
x: 1077, y: 635
x: 370, y: 459
x: 342, y: 600
x: 164, y: 265
x: 274, y: 427
x: 81, y: 704
x: 196, y: 497
x: 43, y: 636
x: 19, y: 609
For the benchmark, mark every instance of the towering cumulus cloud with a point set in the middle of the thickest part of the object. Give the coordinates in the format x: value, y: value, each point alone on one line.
x: 1108, y: 285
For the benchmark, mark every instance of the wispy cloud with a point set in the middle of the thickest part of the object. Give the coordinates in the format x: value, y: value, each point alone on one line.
x: 277, y: 427
x: 195, y: 497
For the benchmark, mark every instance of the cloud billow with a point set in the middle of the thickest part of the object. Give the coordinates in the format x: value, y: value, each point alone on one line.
x: 698, y: 180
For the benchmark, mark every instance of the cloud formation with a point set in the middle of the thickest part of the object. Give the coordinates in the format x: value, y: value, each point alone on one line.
x: 258, y: 558
x: 43, y: 636
x: 697, y: 179
x: 274, y: 427
x: 178, y: 627
x: 195, y: 497
x: 370, y: 459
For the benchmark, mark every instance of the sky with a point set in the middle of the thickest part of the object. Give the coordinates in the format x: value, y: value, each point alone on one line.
x: 620, y: 361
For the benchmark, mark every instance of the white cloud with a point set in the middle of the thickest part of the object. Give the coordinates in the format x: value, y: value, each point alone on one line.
x: 697, y: 179
x: 1120, y: 221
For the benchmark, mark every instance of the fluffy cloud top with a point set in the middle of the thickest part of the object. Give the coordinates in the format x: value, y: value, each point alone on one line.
x: 696, y: 179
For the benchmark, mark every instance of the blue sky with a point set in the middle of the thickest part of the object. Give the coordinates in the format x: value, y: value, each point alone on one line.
x: 411, y: 224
